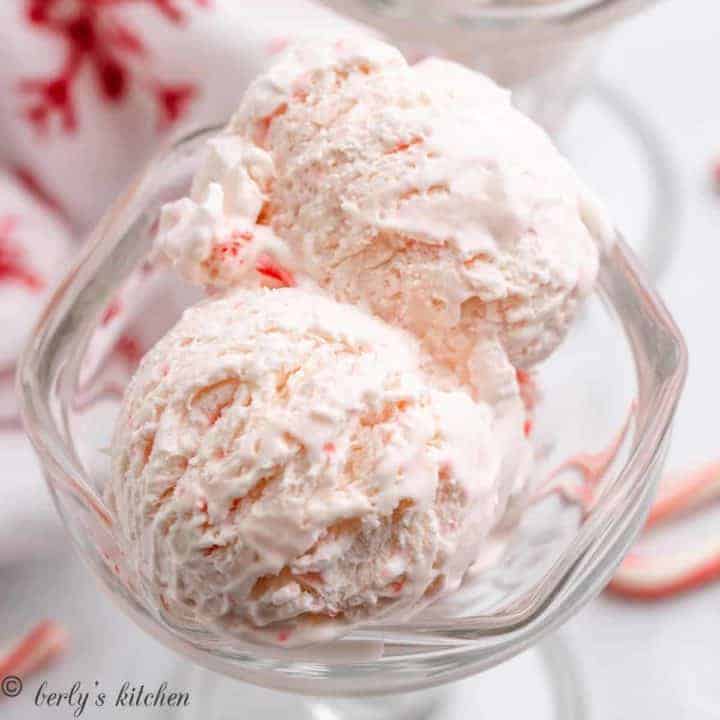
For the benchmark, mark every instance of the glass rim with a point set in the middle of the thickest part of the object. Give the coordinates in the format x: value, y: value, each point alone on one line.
x: 501, y: 16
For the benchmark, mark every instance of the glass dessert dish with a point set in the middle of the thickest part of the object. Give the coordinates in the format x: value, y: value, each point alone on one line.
x: 542, y: 50
x: 601, y: 432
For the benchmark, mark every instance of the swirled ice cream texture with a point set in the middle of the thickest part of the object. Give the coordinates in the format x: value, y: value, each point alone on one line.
x: 417, y: 192
x: 332, y: 441
x: 283, y: 471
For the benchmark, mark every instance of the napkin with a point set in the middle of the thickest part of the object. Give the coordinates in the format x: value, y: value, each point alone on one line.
x: 90, y: 90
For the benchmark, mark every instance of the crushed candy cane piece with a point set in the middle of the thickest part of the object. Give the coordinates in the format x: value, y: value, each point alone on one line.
x: 39, y: 647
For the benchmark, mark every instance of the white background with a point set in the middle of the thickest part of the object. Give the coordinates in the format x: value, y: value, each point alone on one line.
x: 635, y: 661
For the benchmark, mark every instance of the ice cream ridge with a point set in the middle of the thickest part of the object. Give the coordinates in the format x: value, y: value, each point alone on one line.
x: 330, y: 437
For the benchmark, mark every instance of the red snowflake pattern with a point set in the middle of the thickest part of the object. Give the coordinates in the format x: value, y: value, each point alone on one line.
x: 32, y: 184
x: 13, y: 268
x: 96, y: 38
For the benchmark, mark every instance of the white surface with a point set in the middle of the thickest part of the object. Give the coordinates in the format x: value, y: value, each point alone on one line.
x: 660, y: 661
x: 637, y: 661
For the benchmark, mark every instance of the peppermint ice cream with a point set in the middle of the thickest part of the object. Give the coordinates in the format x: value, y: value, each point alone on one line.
x: 418, y: 192
x: 330, y: 439
x: 284, y: 465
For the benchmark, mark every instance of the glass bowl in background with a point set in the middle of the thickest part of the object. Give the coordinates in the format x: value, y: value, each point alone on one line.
x: 623, y: 366
x: 542, y: 50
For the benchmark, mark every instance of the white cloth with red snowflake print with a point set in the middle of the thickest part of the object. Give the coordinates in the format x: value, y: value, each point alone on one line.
x: 89, y: 90
x: 36, y: 247
x: 89, y: 86
x: 35, y: 250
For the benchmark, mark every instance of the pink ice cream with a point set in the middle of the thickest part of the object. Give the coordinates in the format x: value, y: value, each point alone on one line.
x: 418, y: 192
x: 333, y: 439
x: 283, y: 471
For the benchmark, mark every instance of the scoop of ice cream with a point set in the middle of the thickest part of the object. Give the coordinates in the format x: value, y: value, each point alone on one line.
x: 419, y: 192
x: 282, y: 470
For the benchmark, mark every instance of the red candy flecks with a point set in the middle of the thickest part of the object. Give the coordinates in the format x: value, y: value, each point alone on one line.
x: 94, y: 37
x: 528, y: 389
x: 269, y: 268
x: 529, y: 395
x: 527, y: 427
x: 13, y: 266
